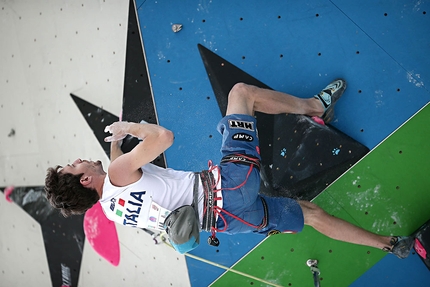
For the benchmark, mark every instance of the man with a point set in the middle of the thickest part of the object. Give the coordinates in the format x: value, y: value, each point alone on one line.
x: 224, y: 198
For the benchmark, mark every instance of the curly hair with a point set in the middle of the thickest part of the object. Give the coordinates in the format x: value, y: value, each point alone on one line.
x: 65, y: 192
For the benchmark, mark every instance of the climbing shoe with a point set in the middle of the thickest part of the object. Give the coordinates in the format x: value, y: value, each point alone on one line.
x: 329, y: 96
x: 401, y: 246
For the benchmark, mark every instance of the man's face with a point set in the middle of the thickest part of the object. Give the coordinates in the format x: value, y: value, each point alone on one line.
x: 84, y: 166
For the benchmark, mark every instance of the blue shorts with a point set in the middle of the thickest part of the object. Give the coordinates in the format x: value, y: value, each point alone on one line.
x: 240, y: 135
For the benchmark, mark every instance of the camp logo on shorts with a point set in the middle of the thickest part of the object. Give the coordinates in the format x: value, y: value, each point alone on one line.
x: 241, y: 125
x: 242, y: 137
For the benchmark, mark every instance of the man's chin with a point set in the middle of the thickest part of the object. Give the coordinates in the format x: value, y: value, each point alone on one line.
x: 99, y: 163
x: 100, y: 166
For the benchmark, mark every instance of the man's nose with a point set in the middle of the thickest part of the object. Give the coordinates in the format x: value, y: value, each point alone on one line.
x: 77, y: 161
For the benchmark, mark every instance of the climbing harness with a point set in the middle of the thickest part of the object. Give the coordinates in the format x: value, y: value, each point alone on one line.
x: 210, y: 200
x: 211, y: 210
x: 182, y: 224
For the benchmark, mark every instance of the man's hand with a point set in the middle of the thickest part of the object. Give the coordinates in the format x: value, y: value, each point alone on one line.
x: 119, y: 131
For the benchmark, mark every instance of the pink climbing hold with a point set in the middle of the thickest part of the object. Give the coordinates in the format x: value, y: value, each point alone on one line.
x: 7, y: 192
x: 318, y: 120
x: 101, y: 234
x: 419, y: 248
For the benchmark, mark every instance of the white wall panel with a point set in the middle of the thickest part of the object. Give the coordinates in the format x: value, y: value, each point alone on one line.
x: 49, y: 49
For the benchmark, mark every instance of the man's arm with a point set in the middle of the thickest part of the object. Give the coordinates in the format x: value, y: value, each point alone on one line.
x: 125, y: 169
x: 115, y: 150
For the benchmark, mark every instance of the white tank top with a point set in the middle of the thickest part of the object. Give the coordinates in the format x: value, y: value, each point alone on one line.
x: 159, y: 190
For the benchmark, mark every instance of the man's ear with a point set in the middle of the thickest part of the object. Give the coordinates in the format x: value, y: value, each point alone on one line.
x: 86, y: 180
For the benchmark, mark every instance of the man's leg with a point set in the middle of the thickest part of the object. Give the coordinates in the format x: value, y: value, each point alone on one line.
x: 245, y: 99
x: 340, y: 229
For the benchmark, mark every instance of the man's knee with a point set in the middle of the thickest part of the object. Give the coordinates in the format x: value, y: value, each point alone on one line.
x: 239, y: 89
x: 240, y: 99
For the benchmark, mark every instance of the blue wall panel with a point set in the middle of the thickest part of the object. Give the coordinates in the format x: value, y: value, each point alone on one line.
x: 292, y: 46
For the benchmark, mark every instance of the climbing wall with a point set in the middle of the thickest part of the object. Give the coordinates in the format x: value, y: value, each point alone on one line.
x: 51, y: 49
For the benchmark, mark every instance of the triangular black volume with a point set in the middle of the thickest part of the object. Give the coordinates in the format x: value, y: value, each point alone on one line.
x: 300, y: 158
x: 64, y: 240
x: 223, y: 76
x: 138, y: 102
x: 97, y: 119
x: 308, y: 156
x: 63, y: 237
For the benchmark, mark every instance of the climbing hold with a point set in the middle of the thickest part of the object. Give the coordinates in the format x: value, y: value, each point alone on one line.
x: 7, y: 192
x: 336, y: 151
x: 318, y: 120
x: 176, y: 27
x: 283, y: 152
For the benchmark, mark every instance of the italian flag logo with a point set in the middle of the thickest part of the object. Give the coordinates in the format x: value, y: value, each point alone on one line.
x: 119, y: 211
